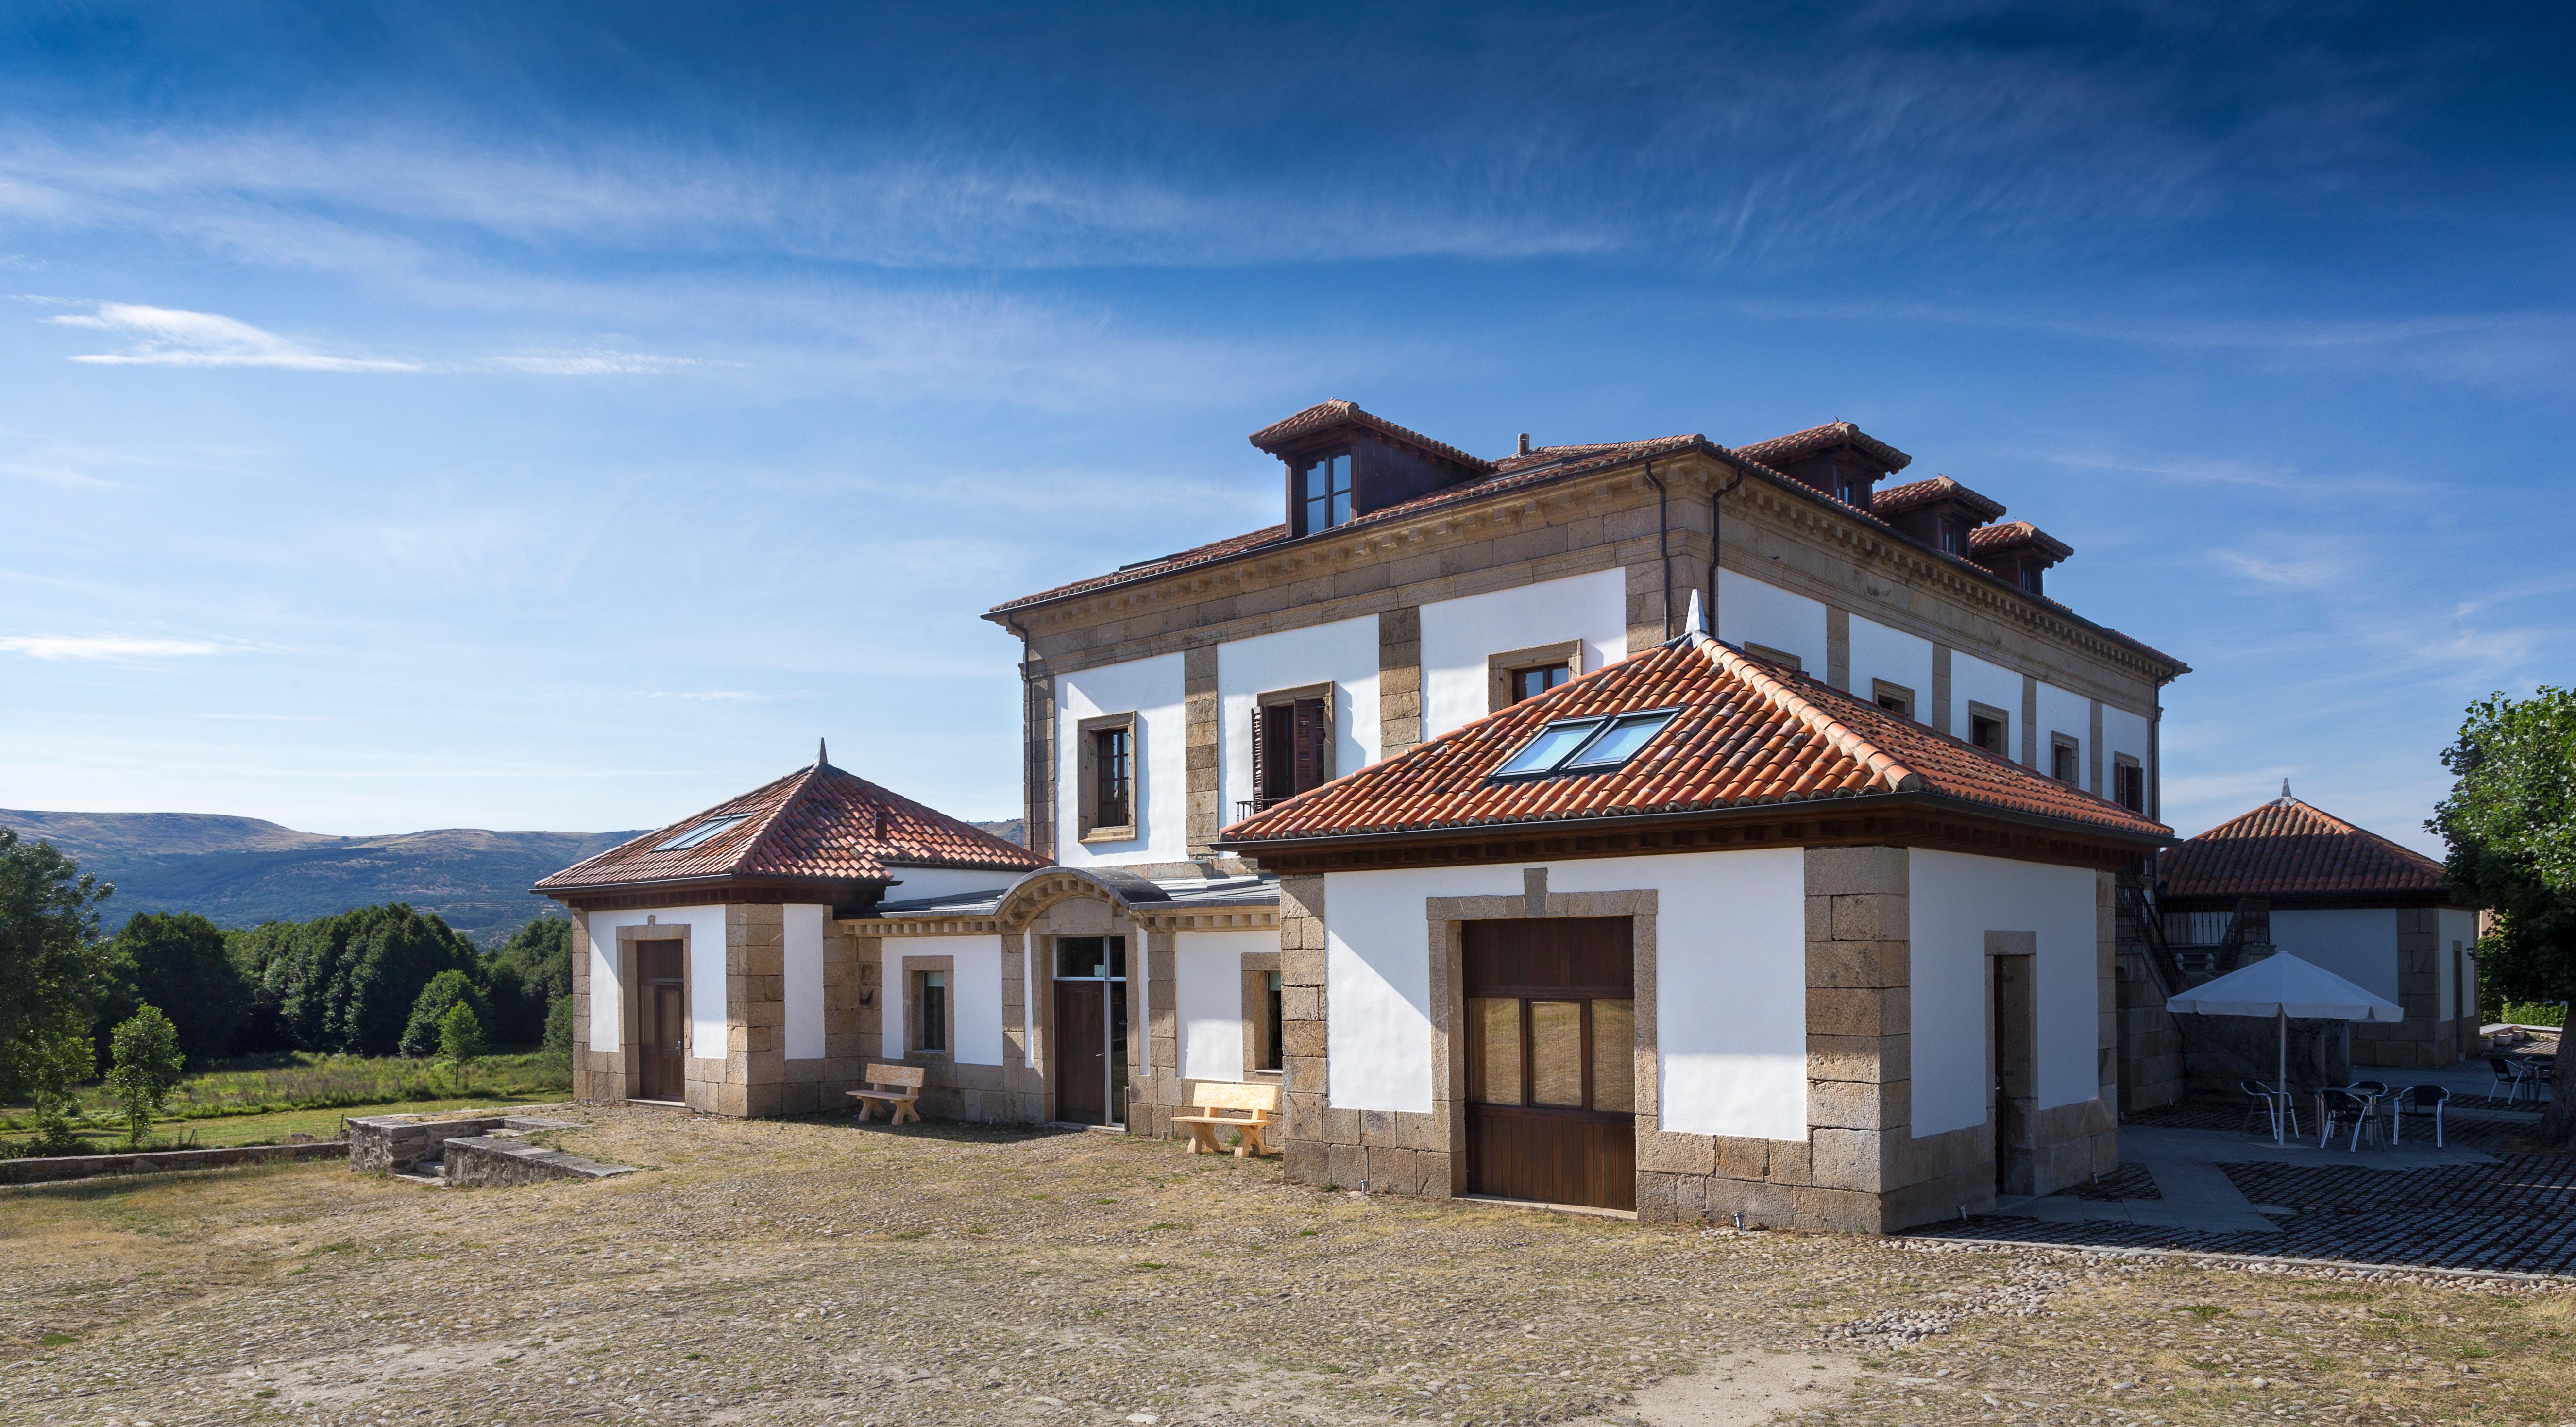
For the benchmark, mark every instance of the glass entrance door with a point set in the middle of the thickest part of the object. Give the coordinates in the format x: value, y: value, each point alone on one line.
x: 1551, y: 1060
x: 1091, y: 1030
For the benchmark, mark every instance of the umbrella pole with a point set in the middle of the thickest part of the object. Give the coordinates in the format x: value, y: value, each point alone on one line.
x: 2283, y: 1083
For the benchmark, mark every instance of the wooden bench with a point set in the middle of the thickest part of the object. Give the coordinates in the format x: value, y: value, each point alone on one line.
x: 897, y: 1087
x: 1215, y: 1099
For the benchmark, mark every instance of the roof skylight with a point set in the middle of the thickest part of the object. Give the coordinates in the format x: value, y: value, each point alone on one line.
x: 1586, y: 745
x: 701, y: 833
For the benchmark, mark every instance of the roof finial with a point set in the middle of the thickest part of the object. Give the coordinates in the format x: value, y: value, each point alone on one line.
x: 1697, y: 622
x: 2285, y: 792
x: 822, y: 758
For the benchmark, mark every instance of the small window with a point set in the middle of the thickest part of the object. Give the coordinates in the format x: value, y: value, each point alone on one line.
x: 1954, y: 537
x: 934, y: 1011
x: 1325, y: 487
x: 1292, y: 745
x: 1988, y: 729
x: 1530, y: 683
x: 2030, y: 576
x: 1270, y: 1022
x: 1781, y: 657
x: 1551, y: 746
x: 2128, y: 783
x: 1091, y: 958
x: 1110, y: 767
x: 1895, y: 698
x: 2064, y: 759
x: 1586, y: 745
x: 703, y: 832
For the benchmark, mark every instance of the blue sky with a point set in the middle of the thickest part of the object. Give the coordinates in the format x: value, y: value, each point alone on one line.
x: 483, y: 416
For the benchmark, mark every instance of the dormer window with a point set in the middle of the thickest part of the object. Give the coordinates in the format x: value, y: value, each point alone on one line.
x: 1954, y: 538
x: 1325, y: 486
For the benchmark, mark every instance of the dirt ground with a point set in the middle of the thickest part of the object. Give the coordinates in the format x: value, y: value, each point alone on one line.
x: 812, y: 1272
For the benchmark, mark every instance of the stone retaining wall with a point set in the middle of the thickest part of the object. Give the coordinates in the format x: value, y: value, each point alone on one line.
x: 485, y: 1159
x: 87, y: 1166
x: 390, y: 1144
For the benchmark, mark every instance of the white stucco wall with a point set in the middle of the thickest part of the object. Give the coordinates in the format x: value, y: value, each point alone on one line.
x: 1730, y: 984
x: 912, y: 882
x: 974, y: 989
x: 1460, y: 635
x: 1731, y: 972
x: 706, y: 975
x: 1974, y: 678
x: 1207, y: 997
x: 1151, y: 688
x: 1343, y: 652
x: 2458, y: 928
x: 1750, y: 610
x: 2061, y: 711
x: 1377, y: 979
x: 2129, y: 733
x: 802, y: 990
x: 2358, y: 944
x: 1953, y: 900
x: 1878, y: 652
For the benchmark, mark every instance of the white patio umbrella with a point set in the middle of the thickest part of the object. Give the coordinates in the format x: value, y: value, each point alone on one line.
x: 2282, y: 986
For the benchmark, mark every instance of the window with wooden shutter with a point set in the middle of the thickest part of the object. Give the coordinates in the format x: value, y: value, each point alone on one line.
x: 1292, y: 745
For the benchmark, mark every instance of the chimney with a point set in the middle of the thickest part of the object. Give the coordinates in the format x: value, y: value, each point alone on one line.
x: 1524, y: 443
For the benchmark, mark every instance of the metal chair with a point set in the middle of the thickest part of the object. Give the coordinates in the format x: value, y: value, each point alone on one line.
x: 2271, y: 1104
x: 2417, y: 1100
x: 2358, y: 1106
x: 2508, y: 1077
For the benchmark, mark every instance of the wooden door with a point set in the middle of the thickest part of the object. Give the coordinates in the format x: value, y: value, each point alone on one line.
x: 1081, y: 1053
x: 662, y: 1030
x: 1551, y: 1060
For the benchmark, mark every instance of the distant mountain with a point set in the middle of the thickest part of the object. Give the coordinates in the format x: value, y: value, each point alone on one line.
x: 241, y: 871
x: 1008, y: 829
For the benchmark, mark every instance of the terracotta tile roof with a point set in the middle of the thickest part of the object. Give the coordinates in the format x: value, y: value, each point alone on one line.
x: 1325, y: 415
x: 1988, y: 538
x: 816, y: 823
x: 1747, y: 734
x: 1897, y: 499
x: 2286, y: 848
x: 1798, y: 445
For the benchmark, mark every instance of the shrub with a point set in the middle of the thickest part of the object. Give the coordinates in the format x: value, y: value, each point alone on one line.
x: 460, y: 1035
x: 2535, y: 1013
x: 148, y: 1066
x: 446, y: 989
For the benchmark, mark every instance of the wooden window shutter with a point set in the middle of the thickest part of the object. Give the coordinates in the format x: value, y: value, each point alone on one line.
x: 1310, y: 744
x: 1260, y: 750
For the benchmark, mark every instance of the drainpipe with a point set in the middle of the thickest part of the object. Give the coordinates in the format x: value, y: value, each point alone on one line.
x: 1663, y: 550
x: 1716, y: 545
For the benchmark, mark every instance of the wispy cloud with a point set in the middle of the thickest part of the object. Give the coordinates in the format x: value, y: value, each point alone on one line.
x: 170, y: 337
x: 720, y: 696
x: 2306, y: 563
x: 108, y: 646
x: 592, y: 363
x: 64, y: 476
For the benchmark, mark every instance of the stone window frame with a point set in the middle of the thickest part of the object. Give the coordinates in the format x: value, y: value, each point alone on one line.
x: 1257, y: 969
x: 1086, y: 781
x: 2073, y: 747
x: 912, y: 969
x: 1880, y: 691
x: 1977, y: 711
x: 2121, y: 762
x: 630, y: 1012
x: 1446, y: 916
x: 1795, y: 664
x: 1499, y: 668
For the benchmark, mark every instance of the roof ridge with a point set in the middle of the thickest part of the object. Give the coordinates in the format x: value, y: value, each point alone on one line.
x: 1882, y: 765
x: 802, y: 778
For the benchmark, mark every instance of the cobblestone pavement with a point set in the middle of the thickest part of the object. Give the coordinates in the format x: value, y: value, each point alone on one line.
x: 807, y: 1272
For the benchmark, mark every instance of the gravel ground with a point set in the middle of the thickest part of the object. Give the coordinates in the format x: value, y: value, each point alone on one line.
x: 811, y: 1272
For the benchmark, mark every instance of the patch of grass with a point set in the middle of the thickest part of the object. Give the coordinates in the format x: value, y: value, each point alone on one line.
x: 691, y: 1357
x: 55, y: 1340
x: 1152, y: 1228
x: 265, y: 1392
x: 2205, y: 1311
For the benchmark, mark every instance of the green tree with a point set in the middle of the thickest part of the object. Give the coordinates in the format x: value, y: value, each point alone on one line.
x: 460, y: 1035
x: 50, y: 976
x: 148, y: 1067
x: 528, y: 974
x: 180, y: 961
x: 2510, y: 822
x: 348, y: 983
x: 445, y: 991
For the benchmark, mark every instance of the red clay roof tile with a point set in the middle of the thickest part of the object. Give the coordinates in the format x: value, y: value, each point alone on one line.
x: 2286, y: 848
x: 1798, y: 445
x: 1897, y: 499
x: 816, y: 823
x: 1747, y: 734
x: 1325, y: 415
x: 1986, y: 539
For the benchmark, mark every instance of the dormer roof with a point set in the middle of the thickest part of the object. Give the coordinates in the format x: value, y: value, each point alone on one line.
x: 2017, y: 536
x: 1797, y: 446
x: 1913, y: 495
x: 819, y: 824
x: 1303, y: 430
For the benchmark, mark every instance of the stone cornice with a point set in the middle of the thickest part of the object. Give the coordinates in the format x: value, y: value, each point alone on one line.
x: 919, y: 926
